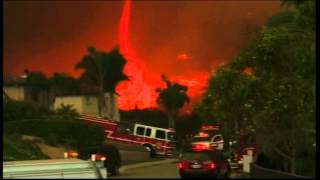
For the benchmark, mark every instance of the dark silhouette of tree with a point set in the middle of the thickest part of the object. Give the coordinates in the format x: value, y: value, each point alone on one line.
x: 172, y: 98
x: 279, y: 95
x: 103, y: 70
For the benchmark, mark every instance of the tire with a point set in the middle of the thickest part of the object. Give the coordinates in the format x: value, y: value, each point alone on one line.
x: 150, y: 149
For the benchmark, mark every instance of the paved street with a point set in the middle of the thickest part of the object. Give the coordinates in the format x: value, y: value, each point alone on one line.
x: 167, y: 170
x: 155, y: 170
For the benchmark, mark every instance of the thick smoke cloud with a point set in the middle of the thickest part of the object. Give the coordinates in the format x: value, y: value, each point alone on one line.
x: 53, y: 36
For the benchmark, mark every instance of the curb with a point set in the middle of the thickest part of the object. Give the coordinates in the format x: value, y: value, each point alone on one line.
x: 146, y: 164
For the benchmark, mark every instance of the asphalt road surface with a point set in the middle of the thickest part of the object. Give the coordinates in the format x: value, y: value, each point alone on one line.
x: 164, y: 170
x: 168, y: 170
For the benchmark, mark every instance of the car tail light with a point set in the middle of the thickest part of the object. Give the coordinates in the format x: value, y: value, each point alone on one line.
x: 200, y: 147
x: 209, y: 165
x: 183, y: 165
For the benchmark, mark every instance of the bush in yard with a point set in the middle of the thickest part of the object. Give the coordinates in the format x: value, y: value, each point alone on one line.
x: 18, y: 110
x: 15, y: 149
x: 52, y: 140
x: 74, y: 134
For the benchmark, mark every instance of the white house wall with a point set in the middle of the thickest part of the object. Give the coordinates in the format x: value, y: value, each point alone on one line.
x: 83, y: 104
x: 90, y: 105
x: 15, y: 93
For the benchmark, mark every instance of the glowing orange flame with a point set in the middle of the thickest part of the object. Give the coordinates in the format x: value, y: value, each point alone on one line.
x: 136, y: 92
x: 140, y: 90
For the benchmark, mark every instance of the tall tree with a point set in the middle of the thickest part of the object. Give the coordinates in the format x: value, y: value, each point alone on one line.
x: 105, y: 71
x: 172, y: 98
x: 279, y: 95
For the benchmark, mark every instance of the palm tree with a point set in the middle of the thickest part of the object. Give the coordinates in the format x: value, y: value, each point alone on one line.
x: 66, y: 112
x: 105, y: 71
x: 172, y: 98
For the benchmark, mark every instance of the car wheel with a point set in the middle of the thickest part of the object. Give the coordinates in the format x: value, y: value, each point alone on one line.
x: 150, y: 149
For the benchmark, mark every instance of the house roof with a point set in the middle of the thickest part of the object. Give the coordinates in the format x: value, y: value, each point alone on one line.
x: 9, y: 80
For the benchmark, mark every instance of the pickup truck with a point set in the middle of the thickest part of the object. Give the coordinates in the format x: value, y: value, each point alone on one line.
x: 53, y: 169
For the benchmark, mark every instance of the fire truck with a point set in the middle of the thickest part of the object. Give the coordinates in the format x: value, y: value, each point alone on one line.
x: 158, y: 141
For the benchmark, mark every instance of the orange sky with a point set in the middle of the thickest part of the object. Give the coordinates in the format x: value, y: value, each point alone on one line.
x: 186, y: 40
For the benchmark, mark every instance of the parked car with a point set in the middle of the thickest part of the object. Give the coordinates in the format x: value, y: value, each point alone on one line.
x: 109, y: 154
x: 203, y: 163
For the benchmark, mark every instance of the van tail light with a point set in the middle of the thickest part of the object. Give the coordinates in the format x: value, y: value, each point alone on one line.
x: 209, y: 165
x: 183, y: 165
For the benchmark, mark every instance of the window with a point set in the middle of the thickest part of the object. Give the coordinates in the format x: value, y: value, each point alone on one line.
x: 148, y: 132
x: 171, y: 136
x: 140, y: 131
x: 160, y: 134
x: 217, y: 138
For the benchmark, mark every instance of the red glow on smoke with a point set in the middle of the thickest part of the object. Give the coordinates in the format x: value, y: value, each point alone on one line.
x: 183, y: 57
x: 139, y: 92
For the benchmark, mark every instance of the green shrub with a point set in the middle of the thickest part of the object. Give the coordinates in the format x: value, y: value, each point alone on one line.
x: 18, y: 110
x: 52, y: 140
x: 75, y: 134
x: 15, y: 149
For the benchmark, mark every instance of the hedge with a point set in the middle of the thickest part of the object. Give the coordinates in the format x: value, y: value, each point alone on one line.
x: 74, y: 134
x: 15, y: 149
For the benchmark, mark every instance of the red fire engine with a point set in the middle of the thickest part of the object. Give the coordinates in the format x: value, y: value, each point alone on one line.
x: 158, y: 141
